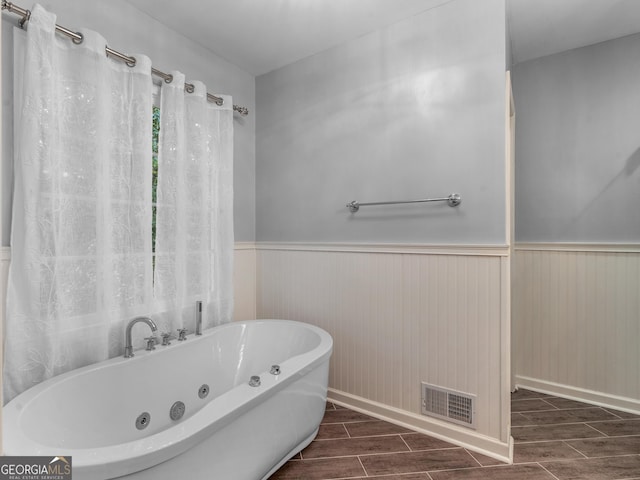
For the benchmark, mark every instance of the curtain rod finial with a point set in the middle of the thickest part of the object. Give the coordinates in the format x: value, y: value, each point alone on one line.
x: 244, y: 111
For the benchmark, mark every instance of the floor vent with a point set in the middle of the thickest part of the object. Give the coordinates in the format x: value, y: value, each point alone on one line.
x: 449, y: 405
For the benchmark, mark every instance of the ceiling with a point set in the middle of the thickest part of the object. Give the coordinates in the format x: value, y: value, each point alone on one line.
x: 263, y: 35
x: 543, y: 27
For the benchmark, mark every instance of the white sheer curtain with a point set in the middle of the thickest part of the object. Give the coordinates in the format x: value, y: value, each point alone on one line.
x: 194, y: 224
x: 81, y: 261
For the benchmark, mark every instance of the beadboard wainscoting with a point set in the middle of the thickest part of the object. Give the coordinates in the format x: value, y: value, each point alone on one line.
x: 5, y: 258
x: 576, y: 321
x: 244, y: 281
x: 401, y: 315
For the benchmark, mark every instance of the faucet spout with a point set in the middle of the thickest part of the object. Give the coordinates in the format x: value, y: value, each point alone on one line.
x: 128, y: 347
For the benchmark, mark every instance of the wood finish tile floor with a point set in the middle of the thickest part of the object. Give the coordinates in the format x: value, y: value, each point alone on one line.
x: 555, y: 439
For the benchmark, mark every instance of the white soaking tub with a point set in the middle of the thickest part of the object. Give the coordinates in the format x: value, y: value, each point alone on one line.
x: 114, y: 418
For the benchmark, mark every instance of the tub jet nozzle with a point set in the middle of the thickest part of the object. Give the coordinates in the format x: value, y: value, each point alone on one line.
x: 177, y: 410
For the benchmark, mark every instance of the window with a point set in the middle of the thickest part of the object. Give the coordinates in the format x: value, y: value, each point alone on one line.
x: 154, y: 178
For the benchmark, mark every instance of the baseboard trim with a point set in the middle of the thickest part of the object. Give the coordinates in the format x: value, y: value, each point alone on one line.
x: 441, y: 430
x: 600, y: 399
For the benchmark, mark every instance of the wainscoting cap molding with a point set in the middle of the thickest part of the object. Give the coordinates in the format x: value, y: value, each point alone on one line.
x: 244, y: 246
x: 408, y: 248
x: 579, y: 247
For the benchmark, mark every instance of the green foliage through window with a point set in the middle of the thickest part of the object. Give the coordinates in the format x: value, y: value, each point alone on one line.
x: 154, y: 177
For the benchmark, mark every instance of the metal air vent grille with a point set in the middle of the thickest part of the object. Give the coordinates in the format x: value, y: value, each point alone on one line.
x: 448, y: 405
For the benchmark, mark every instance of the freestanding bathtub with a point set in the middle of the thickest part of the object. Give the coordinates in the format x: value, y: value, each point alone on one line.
x: 114, y: 418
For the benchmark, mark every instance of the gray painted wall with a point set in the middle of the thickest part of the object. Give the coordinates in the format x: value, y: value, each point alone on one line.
x: 578, y: 145
x: 129, y: 30
x: 411, y: 111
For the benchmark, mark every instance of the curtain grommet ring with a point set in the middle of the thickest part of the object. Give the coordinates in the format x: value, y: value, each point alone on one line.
x: 131, y: 62
x: 79, y: 39
x: 168, y: 78
x: 189, y: 88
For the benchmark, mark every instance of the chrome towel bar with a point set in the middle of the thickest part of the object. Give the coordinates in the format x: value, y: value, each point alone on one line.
x: 452, y: 200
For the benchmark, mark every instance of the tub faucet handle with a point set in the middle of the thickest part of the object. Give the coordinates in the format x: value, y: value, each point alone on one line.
x: 182, y: 334
x: 166, y: 338
x: 151, y: 342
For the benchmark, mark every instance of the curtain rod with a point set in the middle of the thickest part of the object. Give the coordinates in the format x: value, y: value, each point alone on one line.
x: 77, y: 38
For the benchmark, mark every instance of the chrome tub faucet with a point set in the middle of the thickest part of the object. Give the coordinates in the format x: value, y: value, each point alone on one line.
x: 128, y: 347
